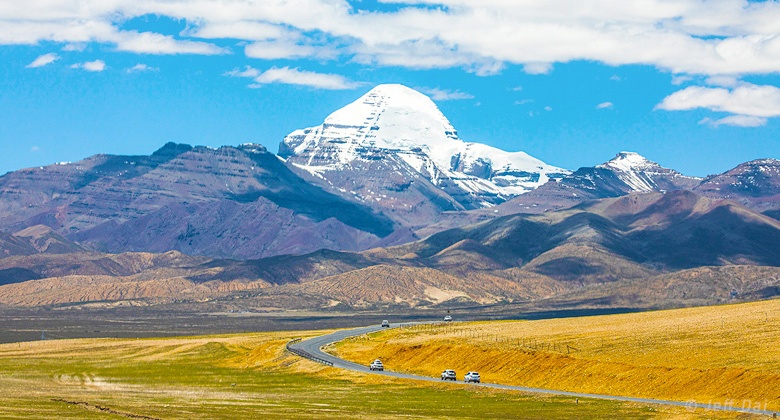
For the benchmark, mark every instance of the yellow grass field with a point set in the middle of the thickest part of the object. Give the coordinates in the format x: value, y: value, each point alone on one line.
x: 250, y: 376
x: 722, y: 355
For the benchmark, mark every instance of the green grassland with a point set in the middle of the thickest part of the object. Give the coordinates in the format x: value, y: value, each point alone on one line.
x: 246, y: 377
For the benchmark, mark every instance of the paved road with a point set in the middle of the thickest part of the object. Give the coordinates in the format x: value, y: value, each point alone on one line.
x: 312, y: 347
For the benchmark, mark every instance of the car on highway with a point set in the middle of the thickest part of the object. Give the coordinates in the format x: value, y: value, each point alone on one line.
x: 448, y: 318
x: 377, y: 365
x: 448, y: 374
x: 471, y: 377
x: 385, y: 324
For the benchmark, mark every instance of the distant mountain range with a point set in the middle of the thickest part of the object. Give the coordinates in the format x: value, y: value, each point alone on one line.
x: 382, y: 204
x: 608, y: 250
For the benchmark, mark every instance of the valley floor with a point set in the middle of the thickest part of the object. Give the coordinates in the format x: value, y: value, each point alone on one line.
x: 252, y: 375
x: 719, y: 355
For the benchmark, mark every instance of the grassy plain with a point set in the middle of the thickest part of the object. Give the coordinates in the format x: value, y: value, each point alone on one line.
x: 249, y: 376
x: 727, y: 355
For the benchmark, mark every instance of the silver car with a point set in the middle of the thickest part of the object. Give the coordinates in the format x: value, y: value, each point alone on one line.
x: 377, y: 365
x: 471, y: 377
x: 448, y: 374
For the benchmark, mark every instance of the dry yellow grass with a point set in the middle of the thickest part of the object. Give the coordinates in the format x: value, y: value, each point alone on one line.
x: 251, y: 376
x: 718, y: 355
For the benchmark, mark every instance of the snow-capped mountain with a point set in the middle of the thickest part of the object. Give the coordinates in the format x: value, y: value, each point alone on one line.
x: 626, y: 173
x: 405, y: 131
x: 643, y: 175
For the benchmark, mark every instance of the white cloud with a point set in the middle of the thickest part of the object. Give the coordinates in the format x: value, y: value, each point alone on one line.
x: 140, y: 68
x: 746, y: 100
x: 445, y: 95
x: 294, y: 76
x: 242, y: 29
x: 548, y: 108
x: 680, y: 79
x: 688, y: 37
x: 154, y: 43
x: 277, y: 49
x: 605, y: 105
x: 524, y: 101
x: 736, y: 121
x: 35, y: 149
x: 247, y: 72
x: 75, y: 47
x: 723, y: 81
x: 91, y: 66
x: 537, y: 68
x: 615, y: 78
x: 43, y: 60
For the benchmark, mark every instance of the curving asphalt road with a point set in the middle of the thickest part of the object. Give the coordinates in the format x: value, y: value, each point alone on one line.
x: 312, y: 348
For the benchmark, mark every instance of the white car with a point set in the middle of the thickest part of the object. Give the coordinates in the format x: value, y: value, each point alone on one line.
x: 448, y: 318
x: 376, y: 365
x: 471, y: 377
x: 385, y: 324
x: 448, y: 374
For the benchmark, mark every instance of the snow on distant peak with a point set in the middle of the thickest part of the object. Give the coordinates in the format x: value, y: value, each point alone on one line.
x: 629, y: 161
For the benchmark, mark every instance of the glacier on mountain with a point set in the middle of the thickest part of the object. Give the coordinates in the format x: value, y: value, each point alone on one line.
x: 404, y: 126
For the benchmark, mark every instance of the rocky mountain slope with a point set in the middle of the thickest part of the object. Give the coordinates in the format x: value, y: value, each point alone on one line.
x: 627, y: 173
x: 755, y: 184
x: 239, y: 202
x: 519, y: 258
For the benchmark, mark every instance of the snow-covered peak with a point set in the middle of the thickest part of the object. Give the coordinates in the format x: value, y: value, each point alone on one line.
x: 629, y: 161
x: 641, y: 174
x: 389, y: 116
x: 396, y: 120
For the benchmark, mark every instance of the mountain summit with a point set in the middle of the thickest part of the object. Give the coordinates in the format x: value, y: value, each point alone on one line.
x: 404, y: 129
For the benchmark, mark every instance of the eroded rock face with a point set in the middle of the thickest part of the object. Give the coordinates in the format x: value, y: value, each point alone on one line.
x: 395, y: 136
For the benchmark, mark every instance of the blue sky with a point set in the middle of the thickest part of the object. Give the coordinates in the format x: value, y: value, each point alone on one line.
x: 692, y: 84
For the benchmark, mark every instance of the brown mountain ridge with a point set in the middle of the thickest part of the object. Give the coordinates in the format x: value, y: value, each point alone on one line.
x: 518, y: 258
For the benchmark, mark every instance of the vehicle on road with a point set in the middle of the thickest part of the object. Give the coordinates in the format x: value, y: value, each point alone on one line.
x: 385, y: 324
x: 448, y: 318
x: 471, y: 377
x: 448, y: 374
x: 377, y: 365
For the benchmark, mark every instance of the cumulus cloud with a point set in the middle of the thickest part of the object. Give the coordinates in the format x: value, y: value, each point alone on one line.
x: 445, y: 95
x: 43, y: 60
x: 605, y: 105
x: 685, y: 37
x: 746, y: 99
x: 749, y: 105
x: 294, y: 76
x: 91, y: 66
